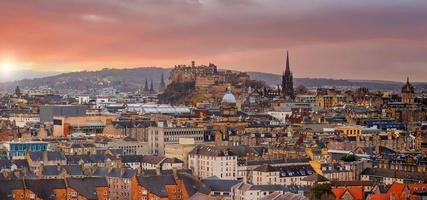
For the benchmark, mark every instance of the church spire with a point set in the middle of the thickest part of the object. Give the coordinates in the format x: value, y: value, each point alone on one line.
x: 146, y: 85
x: 287, y: 81
x: 287, y: 63
x: 151, y: 86
x: 407, y: 79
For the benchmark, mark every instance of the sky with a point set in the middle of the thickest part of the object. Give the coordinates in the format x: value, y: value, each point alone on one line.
x: 341, y: 39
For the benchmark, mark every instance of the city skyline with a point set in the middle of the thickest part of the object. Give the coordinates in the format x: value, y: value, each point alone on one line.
x: 330, y: 39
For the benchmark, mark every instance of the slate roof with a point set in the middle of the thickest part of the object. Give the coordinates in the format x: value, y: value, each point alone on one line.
x: 7, y: 164
x: 156, y: 184
x: 220, y: 185
x: 269, y: 188
x: 98, y: 158
x: 44, y: 188
x: 87, y: 186
x: 193, y: 185
x: 132, y: 158
x: 74, y: 170
x: 52, y: 170
x: 315, y: 178
x: 211, y: 151
x: 133, y: 123
x: 296, y: 188
x: 101, y: 172
x: 285, y: 196
x: 49, y: 155
x: 172, y: 160
x: 114, y: 172
x: 6, y: 187
x: 332, y: 167
x: 288, y: 171
x: 22, y: 174
x: 152, y: 159
x: 395, y: 173
x: 275, y: 161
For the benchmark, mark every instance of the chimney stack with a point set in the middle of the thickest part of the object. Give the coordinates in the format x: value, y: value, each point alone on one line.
x: 158, y: 173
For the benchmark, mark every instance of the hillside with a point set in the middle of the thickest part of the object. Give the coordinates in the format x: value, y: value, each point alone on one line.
x: 133, y: 79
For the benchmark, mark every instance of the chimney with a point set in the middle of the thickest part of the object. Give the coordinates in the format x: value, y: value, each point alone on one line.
x: 5, y: 174
x: 17, y: 173
x: 158, y: 172
x: 175, y: 173
x: 45, y: 156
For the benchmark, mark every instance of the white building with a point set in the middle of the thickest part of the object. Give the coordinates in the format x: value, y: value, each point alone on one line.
x: 286, y: 175
x: 207, y: 161
x: 245, y: 191
x: 22, y: 119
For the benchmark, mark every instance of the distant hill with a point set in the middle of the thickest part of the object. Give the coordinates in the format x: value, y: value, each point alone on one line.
x: 122, y: 79
x: 134, y: 78
x: 274, y: 79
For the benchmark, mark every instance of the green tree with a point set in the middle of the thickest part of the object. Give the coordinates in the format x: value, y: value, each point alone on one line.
x: 349, y: 158
x: 321, y: 191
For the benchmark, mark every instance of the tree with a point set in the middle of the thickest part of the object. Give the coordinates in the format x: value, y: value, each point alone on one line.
x: 349, y: 158
x: 321, y: 192
x: 301, y: 89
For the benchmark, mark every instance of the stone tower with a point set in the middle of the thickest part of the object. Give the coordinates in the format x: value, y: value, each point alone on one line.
x: 408, y: 92
x: 288, y: 82
x: 146, y: 85
x: 151, y: 86
x: 162, y: 85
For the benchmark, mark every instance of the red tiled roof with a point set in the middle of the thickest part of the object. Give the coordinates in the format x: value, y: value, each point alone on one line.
x: 378, y: 197
x: 356, y: 192
x: 396, y: 188
x: 415, y: 187
x: 338, y: 192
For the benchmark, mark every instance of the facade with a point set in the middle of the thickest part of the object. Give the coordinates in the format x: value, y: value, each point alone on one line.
x: 207, y: 161
x: 158, y: 137
x: 408, y: 93
x: 21, y: 120
x: 128, y: 147
x: 64, y: 126
x: 47, y: 112
x: 180, y: 151
x: 286, y: 175
x: 18, y: 149
x: 389, y: 176
x: 245, y: 191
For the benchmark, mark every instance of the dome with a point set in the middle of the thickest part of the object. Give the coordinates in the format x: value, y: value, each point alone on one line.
x: 228, y: 97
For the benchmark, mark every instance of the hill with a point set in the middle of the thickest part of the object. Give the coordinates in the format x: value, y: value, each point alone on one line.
x: 134, y: 78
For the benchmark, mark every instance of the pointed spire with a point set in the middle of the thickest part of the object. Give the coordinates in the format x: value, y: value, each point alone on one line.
x: 407, y: 79
x: 151, y: 86
x: 162, y: 82
x: 287, y: 62
x: 146, y: 85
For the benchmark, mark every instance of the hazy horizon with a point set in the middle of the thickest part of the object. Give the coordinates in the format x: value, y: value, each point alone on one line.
x: 32, y: 74
x: 360, y: 40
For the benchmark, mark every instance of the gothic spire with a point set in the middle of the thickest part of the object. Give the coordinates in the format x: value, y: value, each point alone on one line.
x: 162, y: 82
x: 146, y: 85
x: 151, y: 86
x: 287, y: 62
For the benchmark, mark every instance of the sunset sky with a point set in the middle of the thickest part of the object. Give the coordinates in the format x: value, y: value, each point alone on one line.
x: 360, y: 39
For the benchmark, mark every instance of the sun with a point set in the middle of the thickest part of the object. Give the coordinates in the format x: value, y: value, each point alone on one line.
x: 6, y: 67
